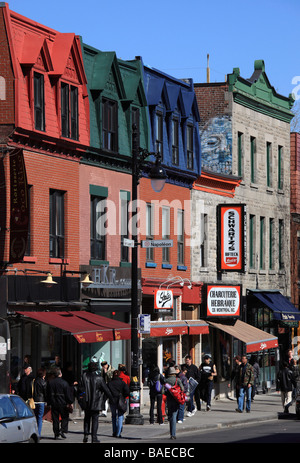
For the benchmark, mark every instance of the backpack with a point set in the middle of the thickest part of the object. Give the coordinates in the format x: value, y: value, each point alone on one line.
x: 158, y: 386
x: 176, y: 392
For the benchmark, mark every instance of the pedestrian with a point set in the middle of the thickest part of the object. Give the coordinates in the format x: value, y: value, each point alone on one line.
x: 156, y: 382
x: 60, y: 400
x: 107, y: 374
x: 180, y: 373
x: 208, y: 372
x: 92, y: 386
x: 119, y: 391
x: 235, y: 376
x: 192, y: 372
x: 246, y: 380
x: 123, y: 374
x: 40, y: 397
x: 253, y: 361
x: 24, y: 386
x: 284, y: 383
x: 172, y: 404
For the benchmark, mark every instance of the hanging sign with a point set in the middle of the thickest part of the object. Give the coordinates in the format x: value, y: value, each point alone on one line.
x: 19, y: 208
x: 223, y: 300
x: 163, y: 299
x: 231, y: 237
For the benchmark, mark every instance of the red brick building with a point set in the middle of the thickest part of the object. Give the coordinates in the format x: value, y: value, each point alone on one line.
x: 44, y: 129
x: 295, y: 218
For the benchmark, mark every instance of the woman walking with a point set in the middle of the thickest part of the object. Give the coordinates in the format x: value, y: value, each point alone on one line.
x: 119, y: 391
x: 156, y: 381
x: 173, y: 405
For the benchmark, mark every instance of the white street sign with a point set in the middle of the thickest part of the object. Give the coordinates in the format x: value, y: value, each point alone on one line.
x: 157, y: 243
x: 128, y: 243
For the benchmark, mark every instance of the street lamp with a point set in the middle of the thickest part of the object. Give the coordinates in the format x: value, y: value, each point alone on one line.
x: 158, y: 178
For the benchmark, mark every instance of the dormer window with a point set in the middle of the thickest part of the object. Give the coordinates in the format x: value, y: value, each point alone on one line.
x: 39, y: 102
x: 69, y: 111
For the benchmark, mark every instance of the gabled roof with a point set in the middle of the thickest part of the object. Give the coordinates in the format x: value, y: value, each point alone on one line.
x: 105, y: 63
x: 32, y: 49
x: 66, y: 47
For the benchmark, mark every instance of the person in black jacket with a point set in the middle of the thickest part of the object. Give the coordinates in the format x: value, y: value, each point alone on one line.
x: 59, y: 399
x: 24, y: 386
x: 118, y: 388
x: 40, y: 397
x: 92, y: 385
x: 192, y: 372
x: 285, y: 383
x: 155, y: 378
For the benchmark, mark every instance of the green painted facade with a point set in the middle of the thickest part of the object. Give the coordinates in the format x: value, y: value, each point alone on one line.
x: 257, y: 93
x: 122, y: 82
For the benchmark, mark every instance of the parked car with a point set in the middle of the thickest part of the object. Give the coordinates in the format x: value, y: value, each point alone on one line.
x: 17, y: 420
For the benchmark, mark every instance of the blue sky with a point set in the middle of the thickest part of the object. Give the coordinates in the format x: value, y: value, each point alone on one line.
x: 176, y: 36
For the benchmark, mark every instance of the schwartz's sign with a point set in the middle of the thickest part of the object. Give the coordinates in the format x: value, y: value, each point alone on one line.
x: 231, y: 237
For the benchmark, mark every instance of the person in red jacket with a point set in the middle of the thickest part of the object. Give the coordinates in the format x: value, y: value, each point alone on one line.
x: 123, y: 374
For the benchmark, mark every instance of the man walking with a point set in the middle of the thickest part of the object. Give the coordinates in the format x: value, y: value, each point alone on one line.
x: 59, y: 398
x: 92, y: 385
x: 246, y: 380
x: 192, y: 372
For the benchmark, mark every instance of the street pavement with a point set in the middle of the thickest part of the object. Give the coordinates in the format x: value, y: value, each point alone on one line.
x: 222, y: 414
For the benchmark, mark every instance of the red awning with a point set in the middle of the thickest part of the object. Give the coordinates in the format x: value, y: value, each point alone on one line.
x: 86, y: 327
x: 254, y: 338
x: 178, y: 327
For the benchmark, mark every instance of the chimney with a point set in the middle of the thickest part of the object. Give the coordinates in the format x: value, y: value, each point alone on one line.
x: 208, y: 70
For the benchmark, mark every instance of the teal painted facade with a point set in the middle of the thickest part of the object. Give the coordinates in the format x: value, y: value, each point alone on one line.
x: 110, y: 78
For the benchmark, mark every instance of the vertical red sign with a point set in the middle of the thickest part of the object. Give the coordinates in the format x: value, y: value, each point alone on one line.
x: 231, y: 237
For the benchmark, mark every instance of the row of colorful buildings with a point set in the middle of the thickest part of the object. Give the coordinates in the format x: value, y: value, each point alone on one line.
x: 229, y: 207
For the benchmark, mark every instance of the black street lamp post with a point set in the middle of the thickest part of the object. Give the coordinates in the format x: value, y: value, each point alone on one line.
x: 157, y: 174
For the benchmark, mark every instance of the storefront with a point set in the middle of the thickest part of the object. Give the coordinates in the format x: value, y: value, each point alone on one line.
x: 272, y: 312
x: 230, y: 336
x: 175, y: 329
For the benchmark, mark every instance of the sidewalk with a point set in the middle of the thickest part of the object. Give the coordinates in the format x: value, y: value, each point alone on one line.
x: 222, y: 414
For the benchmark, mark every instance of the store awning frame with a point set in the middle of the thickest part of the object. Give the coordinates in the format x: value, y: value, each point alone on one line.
x: 280, y: 305
x: 86, y: 327
x: 254, y: 338
x: 178, y: 327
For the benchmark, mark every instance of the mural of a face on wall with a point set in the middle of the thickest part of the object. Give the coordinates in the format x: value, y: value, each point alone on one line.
x: 216, y: 145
